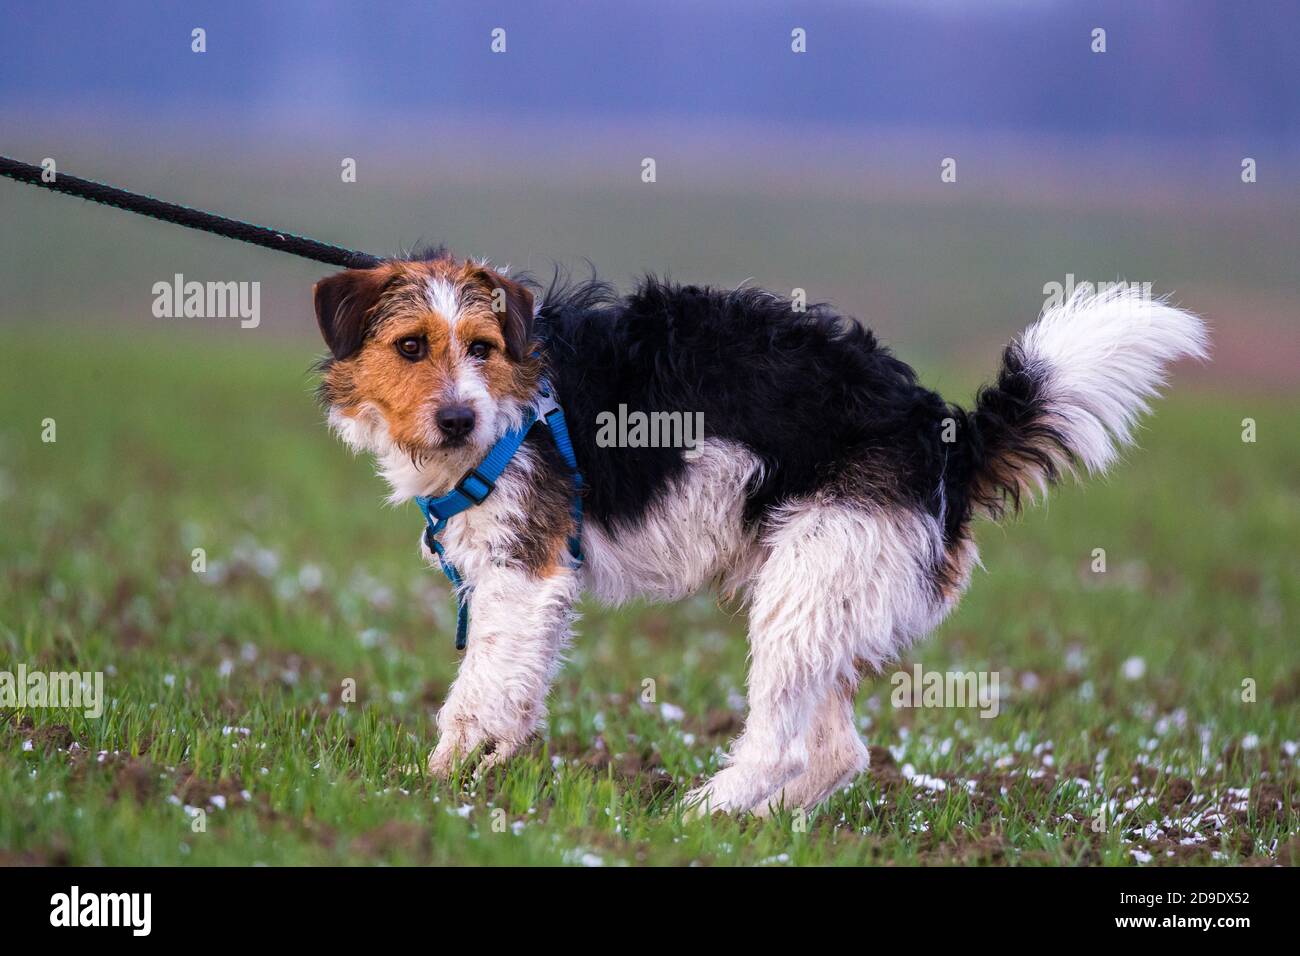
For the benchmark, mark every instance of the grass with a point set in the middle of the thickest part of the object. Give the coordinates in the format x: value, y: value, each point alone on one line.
x: 1121, y: 689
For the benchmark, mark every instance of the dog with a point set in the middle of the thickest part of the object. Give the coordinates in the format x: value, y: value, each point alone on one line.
x: 831, y: 491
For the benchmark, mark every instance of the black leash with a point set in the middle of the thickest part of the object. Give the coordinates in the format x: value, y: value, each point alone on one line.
x: 190, y: 218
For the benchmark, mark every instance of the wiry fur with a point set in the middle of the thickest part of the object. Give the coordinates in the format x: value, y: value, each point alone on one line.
x: 832, y: 490
x: 1071, y: 390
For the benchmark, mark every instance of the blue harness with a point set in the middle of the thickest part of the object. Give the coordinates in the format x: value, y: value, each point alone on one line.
x: 478, y: 483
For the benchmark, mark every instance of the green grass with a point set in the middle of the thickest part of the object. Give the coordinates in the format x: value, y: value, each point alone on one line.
x: 224, y: 687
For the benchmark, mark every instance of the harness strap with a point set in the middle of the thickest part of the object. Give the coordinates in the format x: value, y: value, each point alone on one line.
x: 553, y: 416
x: 431, y: 533
x: 477, y: 483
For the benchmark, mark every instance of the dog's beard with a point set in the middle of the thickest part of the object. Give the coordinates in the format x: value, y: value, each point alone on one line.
x: 428, y: 467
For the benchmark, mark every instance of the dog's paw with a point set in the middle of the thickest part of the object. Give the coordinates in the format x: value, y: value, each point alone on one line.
x: 442, y: 762
x: 456, y: 745
x: 469, y: 745
x: 735, y: 789
x: 495, y: 753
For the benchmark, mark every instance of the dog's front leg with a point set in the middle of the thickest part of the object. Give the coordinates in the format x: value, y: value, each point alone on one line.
x: 520, y: 622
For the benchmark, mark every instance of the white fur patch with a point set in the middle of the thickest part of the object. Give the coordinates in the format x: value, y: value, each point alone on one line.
x: 444, y: 298
x: 479, y: 539
x: 1104, y: 356
x: 367, y: 432
x: 693, y: 534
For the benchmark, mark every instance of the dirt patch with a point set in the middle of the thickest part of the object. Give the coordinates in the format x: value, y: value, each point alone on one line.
x: 136, y: 779
x: 884, y: 771
x: 393, y: 837
x: 199, y: 791
x: 53, y: 737
x: 139, y: 779
x: 1287, y: 690
x: 116, y: 619
x: 47, y: 738
x: 1288, y: 853
x: 1178, y: 790
x: 56, y: 855
x: 642, y: 772
x: 1269, y: 802
x: 987, y: 851
x: 723, y: 723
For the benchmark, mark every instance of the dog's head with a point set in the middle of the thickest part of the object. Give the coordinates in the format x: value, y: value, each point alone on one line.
x: 431, y: 361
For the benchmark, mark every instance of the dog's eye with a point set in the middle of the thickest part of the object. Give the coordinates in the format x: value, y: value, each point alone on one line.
x: 412, y: 347
x: 480, y: 350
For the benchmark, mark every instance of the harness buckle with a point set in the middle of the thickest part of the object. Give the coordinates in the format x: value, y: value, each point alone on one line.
x: 546, y: 403
x: 478, y: 497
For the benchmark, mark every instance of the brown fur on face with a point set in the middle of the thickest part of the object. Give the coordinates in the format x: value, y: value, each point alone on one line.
x: 449, y: 305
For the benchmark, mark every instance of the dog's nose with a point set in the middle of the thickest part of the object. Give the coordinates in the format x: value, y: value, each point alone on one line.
x: 455, y: 421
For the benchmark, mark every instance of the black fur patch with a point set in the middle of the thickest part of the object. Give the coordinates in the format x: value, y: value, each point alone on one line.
x: 812, y: 394
x: 545, y: 521
x: 1008, y: 434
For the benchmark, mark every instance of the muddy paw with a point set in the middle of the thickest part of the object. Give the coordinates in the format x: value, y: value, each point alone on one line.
x: 454, y: 748
x: 736, y: 789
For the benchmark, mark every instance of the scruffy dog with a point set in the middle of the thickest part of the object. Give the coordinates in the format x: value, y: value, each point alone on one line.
x: 831, y: 490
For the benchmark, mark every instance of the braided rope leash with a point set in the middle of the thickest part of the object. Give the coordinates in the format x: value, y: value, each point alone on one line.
x: 187, y: 217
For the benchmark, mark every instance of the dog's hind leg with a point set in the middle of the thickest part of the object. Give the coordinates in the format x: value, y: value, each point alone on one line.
x: 843, y: 586
x: 836, y: 754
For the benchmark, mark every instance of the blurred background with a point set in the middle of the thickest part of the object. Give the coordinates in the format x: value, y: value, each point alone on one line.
x: 818, y: 170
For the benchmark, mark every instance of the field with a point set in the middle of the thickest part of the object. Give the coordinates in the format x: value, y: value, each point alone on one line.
x: 1121, y: 691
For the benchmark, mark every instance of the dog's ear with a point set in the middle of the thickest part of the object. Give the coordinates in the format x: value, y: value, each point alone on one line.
x: 512, y: 304
x: 343, y: 305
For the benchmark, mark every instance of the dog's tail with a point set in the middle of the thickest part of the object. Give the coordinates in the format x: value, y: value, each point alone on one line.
x: 1070, y: 391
